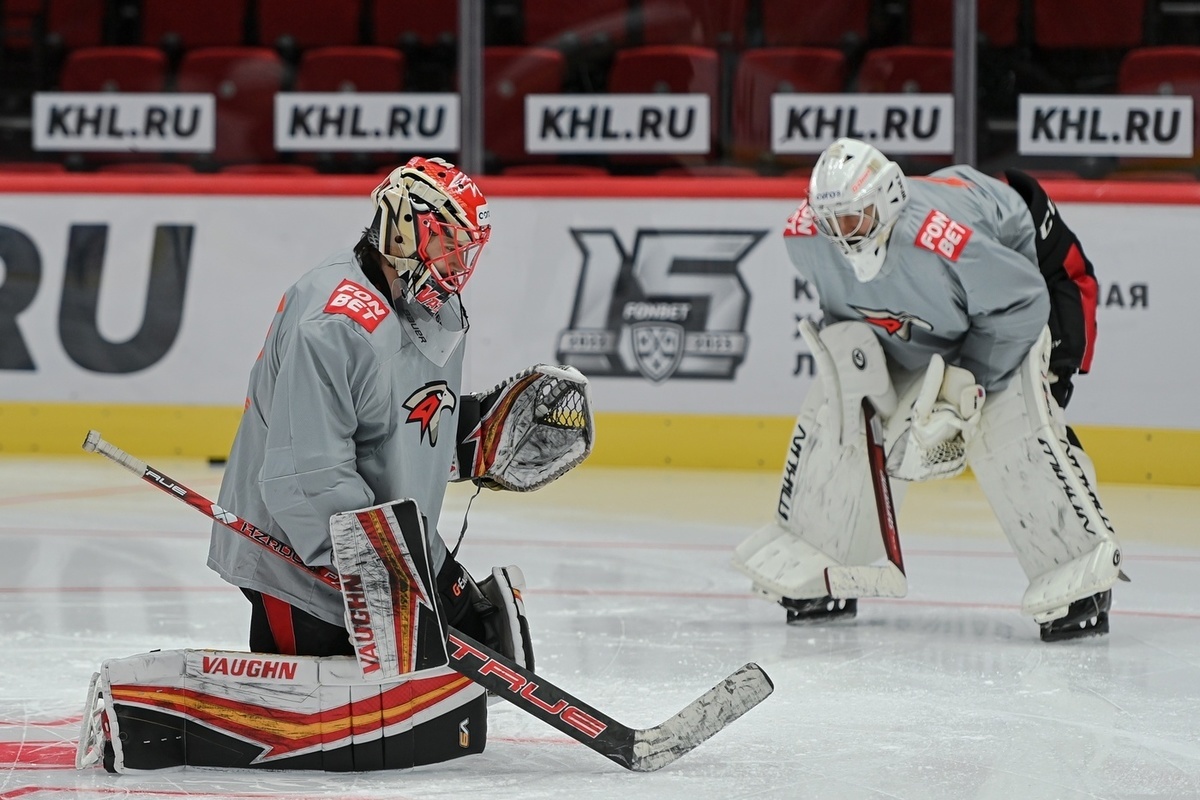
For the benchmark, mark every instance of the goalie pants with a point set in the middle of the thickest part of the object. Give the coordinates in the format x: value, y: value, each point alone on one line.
x: 282, y: 629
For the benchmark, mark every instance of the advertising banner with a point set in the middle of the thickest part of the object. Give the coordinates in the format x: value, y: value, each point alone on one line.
x: 618, y: 123
x: 895, y: 123
x: 670, y: 305
x: 365, y: 121
x: 1126, y: 125
x: 124, y: 122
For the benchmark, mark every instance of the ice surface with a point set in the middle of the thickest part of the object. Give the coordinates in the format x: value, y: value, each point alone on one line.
x: 946, y: 694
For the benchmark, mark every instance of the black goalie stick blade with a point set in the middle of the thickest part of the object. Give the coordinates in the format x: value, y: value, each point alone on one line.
x: 639, y: 750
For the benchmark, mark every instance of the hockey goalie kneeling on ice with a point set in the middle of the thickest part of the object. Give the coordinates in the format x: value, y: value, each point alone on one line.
x: 355, y: 398
x: 395, y: 704
x: 818, y: 556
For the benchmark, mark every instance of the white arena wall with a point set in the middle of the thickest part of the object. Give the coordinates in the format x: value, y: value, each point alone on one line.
x: 674, y: 295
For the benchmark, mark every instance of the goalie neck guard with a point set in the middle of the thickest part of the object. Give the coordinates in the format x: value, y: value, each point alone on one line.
x: 431, y: 222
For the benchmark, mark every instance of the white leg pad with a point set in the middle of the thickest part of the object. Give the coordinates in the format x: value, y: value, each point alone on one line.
x: 826, y: 532
x: 1043, y: 493
x: 171, y: 709
x: 825, y: 519
x: 1051, y: 593
x: 781, y: 564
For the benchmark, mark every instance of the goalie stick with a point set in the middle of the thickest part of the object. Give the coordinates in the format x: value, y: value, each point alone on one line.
x: 889, y: 580
x: 636, y: 749
x: 882, y: 486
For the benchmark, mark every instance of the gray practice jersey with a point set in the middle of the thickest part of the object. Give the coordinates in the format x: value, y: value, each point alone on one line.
x: 960, y: 279
x: 347, y: 407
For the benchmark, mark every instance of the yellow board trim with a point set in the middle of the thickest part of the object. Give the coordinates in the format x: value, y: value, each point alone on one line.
x: 708, y: 441
x: 145, y: 431
x: 1121, y: 455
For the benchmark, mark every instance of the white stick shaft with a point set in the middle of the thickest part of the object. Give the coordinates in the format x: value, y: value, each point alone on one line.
x: 94, y: 443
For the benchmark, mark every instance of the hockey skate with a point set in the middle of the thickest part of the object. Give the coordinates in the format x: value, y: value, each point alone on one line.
x: 1086, y: 617
x: 818, y: 609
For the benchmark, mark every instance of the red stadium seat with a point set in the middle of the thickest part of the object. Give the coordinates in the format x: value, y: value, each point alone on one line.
x: 1047, y: 175
x: 19, y: 21
x: 931, y: 22
x: 777, y: 70
x: 553, y: 23
x: 907, y: 69
x: 509, y: 74
x: 1167, y: 70
x: 114, y: 69
x: 802, y: 173
x: 350, y: 69
x: 365, y: 68
x: 555, y: 171
x: 31, y: 166
x: 213, y: 23
x: 673, y: 69
x: 1152, y: 175
x: 269, y: 169
x: 708, y: 23
x: 411, y: 22
x: 75, y: 23
x: 1161, y: 70
x: 244, y: 81
x: 1085, y: 24
x: 147, y: 168
x: 709, y: 171
x: 312, y: 23
x: 816, y: 23
x: 1078, y: 45
x: 665, y: 68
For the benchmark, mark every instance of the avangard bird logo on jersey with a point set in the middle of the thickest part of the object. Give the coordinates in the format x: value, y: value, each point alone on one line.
x: 898, y: 325
x: 425, y: 407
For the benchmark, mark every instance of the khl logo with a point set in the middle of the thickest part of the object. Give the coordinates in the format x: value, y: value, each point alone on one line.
x: 674, y: 306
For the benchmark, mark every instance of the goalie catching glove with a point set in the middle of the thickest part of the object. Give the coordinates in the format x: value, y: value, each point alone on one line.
x: 944, y: 418
x: 526, y: 432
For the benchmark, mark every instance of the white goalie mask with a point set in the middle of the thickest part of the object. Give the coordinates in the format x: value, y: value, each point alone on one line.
x: 431, y: 222
x: 856, y: 195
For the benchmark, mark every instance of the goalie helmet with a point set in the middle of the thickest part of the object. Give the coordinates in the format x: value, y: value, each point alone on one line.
x: 431, y: 222
x: 856, y: 195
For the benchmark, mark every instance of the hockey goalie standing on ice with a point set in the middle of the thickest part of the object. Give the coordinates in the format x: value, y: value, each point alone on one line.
x: 959, y: 307
x: 354, y: 423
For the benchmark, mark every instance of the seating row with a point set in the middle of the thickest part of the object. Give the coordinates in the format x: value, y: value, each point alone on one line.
x: 245, y: 80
